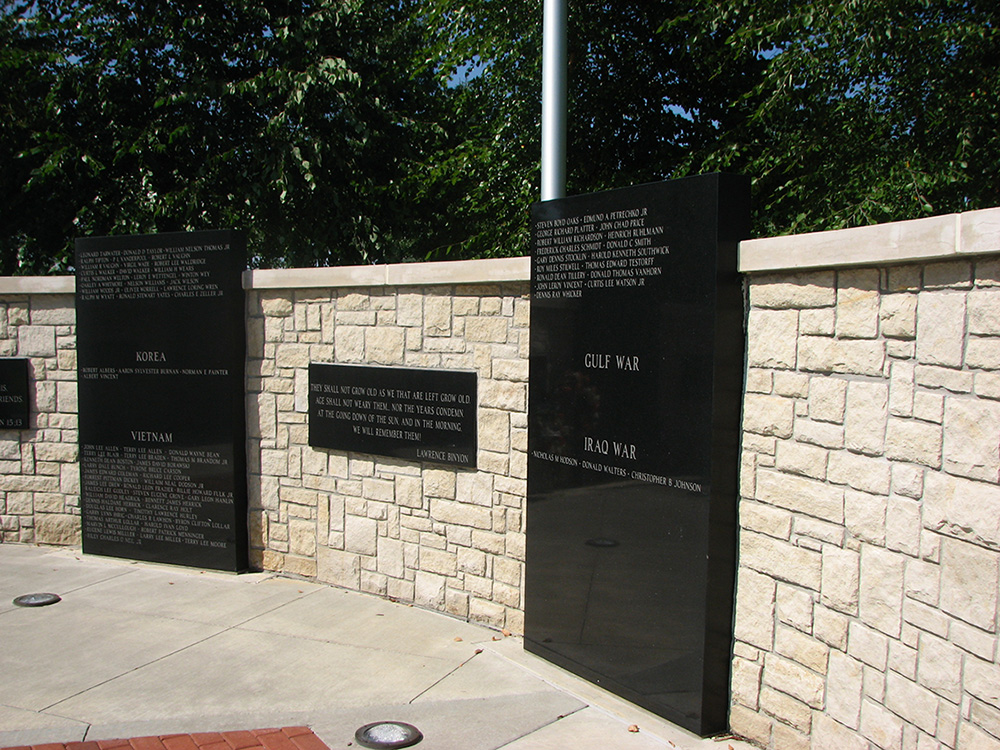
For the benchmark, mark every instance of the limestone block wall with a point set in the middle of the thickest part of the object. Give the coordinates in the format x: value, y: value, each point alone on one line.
x: 869, y: 574
x: 39, y: 474
x: 868, y: 592
x: 442, y: 537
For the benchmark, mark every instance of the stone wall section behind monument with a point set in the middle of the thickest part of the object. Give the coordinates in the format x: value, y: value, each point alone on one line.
x: 445, y: 537
x: 39, y: 470
x: 869, y: 493
x: 867, y: 595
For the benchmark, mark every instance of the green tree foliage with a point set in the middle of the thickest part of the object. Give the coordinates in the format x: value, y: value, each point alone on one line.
x: 297, y: 120
x: 868, y: 110
x: 640, y: 99
x: 842, y: 112
x: 488, y: 55
x: 338, y: 131
x: 25, y: 77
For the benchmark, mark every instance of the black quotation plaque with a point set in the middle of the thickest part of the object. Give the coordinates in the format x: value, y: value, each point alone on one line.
x: 417, y: 415
x: 162, y: 345
x: 636, y: 371
x: 13, y: 394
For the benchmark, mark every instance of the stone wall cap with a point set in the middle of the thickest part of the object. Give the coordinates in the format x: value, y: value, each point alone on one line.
x: 486, y: 271
x: 37, y: 284
x: 934, y: 238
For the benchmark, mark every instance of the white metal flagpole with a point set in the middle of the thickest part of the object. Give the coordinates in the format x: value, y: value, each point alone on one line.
x: 554, y: 100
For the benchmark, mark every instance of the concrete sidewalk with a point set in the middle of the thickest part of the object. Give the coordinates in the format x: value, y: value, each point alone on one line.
x: 135, y: 649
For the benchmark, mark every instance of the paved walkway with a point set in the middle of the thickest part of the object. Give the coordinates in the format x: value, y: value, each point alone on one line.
x: 135, y: 650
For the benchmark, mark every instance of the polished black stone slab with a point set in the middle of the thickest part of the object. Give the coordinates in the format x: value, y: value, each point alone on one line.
x: 161, y: 351
x: 14, y: 399
x: 636, y: 371
x: 401, y: 412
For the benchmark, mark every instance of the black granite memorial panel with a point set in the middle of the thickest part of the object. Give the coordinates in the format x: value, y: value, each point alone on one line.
x: 418, y: 415
x: 14, y: 394
x: 161, y: 350
x: 636, y: 370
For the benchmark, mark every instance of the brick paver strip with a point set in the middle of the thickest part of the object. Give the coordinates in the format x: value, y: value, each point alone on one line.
x: 287, y: 738
x: 277, y: 741
x: 308, y: 741
x: 177, y: 742
x: 242, y: 740
x: 206, y: 738
x: 146, y: 743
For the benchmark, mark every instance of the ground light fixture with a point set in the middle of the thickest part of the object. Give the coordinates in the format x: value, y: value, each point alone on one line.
x: 36, y: 600
x: 388, y: 734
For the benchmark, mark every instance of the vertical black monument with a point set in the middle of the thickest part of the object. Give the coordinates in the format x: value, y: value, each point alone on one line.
x: 634, y: 412
x: 162, y: 345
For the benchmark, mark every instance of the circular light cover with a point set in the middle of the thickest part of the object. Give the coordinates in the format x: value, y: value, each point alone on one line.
x: 36, y: 600
x: 388, y: 734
